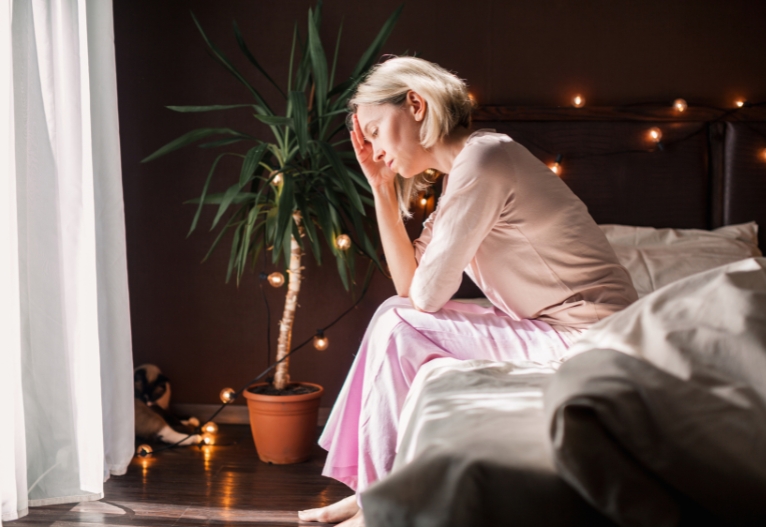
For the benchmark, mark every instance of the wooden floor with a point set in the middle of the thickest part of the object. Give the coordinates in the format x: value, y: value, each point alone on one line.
x: 225, y: 484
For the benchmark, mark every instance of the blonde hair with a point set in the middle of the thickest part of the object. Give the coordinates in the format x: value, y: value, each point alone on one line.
x: 448, y: 106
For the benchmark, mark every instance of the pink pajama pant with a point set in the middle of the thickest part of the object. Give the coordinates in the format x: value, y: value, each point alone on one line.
x: 360, y: 435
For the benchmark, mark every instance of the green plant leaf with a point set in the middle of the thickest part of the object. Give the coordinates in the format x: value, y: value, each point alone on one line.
x: 215, y: 199
x: 318, y: 63
x: 304, y: 66
x: 204, y: 191
x: 251, y: 58
x: 221, y: 142
x: 190, y: 137
x: 221, y: 233
x: 286, y: 245
x: 246, y: 242
x: 292, y: 56
x: 274, y: 120
x: 228, y: 198
x: 335, y: 56
x: 342, y: 87
x: 252, y: 159
x: 369, y: 56
x: 341, y: 173
x: 213, y: 108
x: 360, y: 179
x: 251, y: 162
x: 271, y: 225
x: 233, y: 253
x: 300, y: 119
x: 228, y: 65
x: 285, y: 207
x: 342, y: 270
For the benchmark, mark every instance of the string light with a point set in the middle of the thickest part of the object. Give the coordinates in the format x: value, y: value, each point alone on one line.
x: 320, y: 341
x: 556, y: 165
x: 343, y: 242
x: 655, y: 135
x: 423, y: 201
x: 472, y: 98
x: 144, y: 450
x: 276, y: 279
x: 210, y: 427
x: 228, y: 395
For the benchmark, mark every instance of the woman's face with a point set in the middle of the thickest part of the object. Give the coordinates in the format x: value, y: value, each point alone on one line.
x: 394, y: 133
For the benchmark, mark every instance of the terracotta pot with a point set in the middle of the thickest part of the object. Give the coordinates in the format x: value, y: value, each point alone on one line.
x: 284, y: 426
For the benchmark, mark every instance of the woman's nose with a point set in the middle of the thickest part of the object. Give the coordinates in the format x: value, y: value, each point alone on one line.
x: 378, y: 154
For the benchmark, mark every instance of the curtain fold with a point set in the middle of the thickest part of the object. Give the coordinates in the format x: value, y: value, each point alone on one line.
x: 66, y: 370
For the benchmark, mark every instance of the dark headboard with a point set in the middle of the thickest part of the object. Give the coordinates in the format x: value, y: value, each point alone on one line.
x: 710, y: 171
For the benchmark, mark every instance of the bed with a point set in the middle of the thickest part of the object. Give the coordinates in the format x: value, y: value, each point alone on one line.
x: 592, y: 441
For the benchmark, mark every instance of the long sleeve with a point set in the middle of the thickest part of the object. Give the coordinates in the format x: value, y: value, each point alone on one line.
x: 475, y: 198
x: 522, y: 235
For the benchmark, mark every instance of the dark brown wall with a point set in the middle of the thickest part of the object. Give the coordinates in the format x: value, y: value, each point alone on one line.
x: 205, y: 334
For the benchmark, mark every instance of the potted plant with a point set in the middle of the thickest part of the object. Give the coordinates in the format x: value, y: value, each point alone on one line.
x: 294, y: 192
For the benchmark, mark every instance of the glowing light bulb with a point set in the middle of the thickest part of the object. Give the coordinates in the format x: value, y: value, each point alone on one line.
x: 277, y: 179
x: 343, y: 242
x: 144, y: 450
x: 276, y: 279
x: 208, y: 439
x: 210, y: 427
x: 228, y: 395
x: 321, y: 342
x: 763, y: 154
x: 740, y: 103
x: 655, y: 134
x: 680, y: 105
x: 578, y: 101
x: 423, y: 201
x: 472, y: 98
x: 556, y: 165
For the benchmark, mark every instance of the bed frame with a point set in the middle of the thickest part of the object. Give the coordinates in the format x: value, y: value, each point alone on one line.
x: 709, y: 172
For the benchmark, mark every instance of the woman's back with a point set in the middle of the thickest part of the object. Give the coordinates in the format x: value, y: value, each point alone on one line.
x: 521, y: 234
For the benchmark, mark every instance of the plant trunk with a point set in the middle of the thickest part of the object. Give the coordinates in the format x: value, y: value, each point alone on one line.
x: 282, y: 374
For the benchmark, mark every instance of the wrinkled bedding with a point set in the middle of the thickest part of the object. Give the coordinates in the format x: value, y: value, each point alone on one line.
x: 473, y: 450
x: 663, y: 405
x: 656, y: 410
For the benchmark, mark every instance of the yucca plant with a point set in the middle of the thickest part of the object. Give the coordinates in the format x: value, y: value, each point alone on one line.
x: 303, y: 186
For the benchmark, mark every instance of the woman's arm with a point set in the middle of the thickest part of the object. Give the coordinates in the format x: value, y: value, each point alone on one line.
x: 399, y: 251
x: 400, y: 254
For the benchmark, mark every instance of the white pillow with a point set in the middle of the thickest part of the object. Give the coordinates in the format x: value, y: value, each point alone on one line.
x: 657, y: 257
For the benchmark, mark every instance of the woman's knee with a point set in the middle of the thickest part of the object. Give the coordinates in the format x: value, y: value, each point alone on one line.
x: 390, y: 304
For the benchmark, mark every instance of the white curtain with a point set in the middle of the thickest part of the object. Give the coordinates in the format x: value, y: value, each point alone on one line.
x: 66, y: 385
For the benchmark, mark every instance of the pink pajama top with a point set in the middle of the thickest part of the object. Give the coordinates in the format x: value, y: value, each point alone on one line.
x: 522, y: 235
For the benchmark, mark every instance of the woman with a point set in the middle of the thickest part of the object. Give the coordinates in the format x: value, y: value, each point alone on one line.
x: 518, y: 231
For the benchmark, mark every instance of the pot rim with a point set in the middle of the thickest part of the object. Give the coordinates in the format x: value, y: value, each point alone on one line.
x: 283, y: 398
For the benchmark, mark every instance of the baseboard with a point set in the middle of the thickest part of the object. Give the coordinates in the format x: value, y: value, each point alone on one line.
x: 235, y: 414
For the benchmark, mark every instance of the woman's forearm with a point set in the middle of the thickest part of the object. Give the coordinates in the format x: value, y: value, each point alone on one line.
x: 400, y: 254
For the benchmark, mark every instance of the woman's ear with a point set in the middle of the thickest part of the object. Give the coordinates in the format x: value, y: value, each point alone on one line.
x: 417, y: 105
